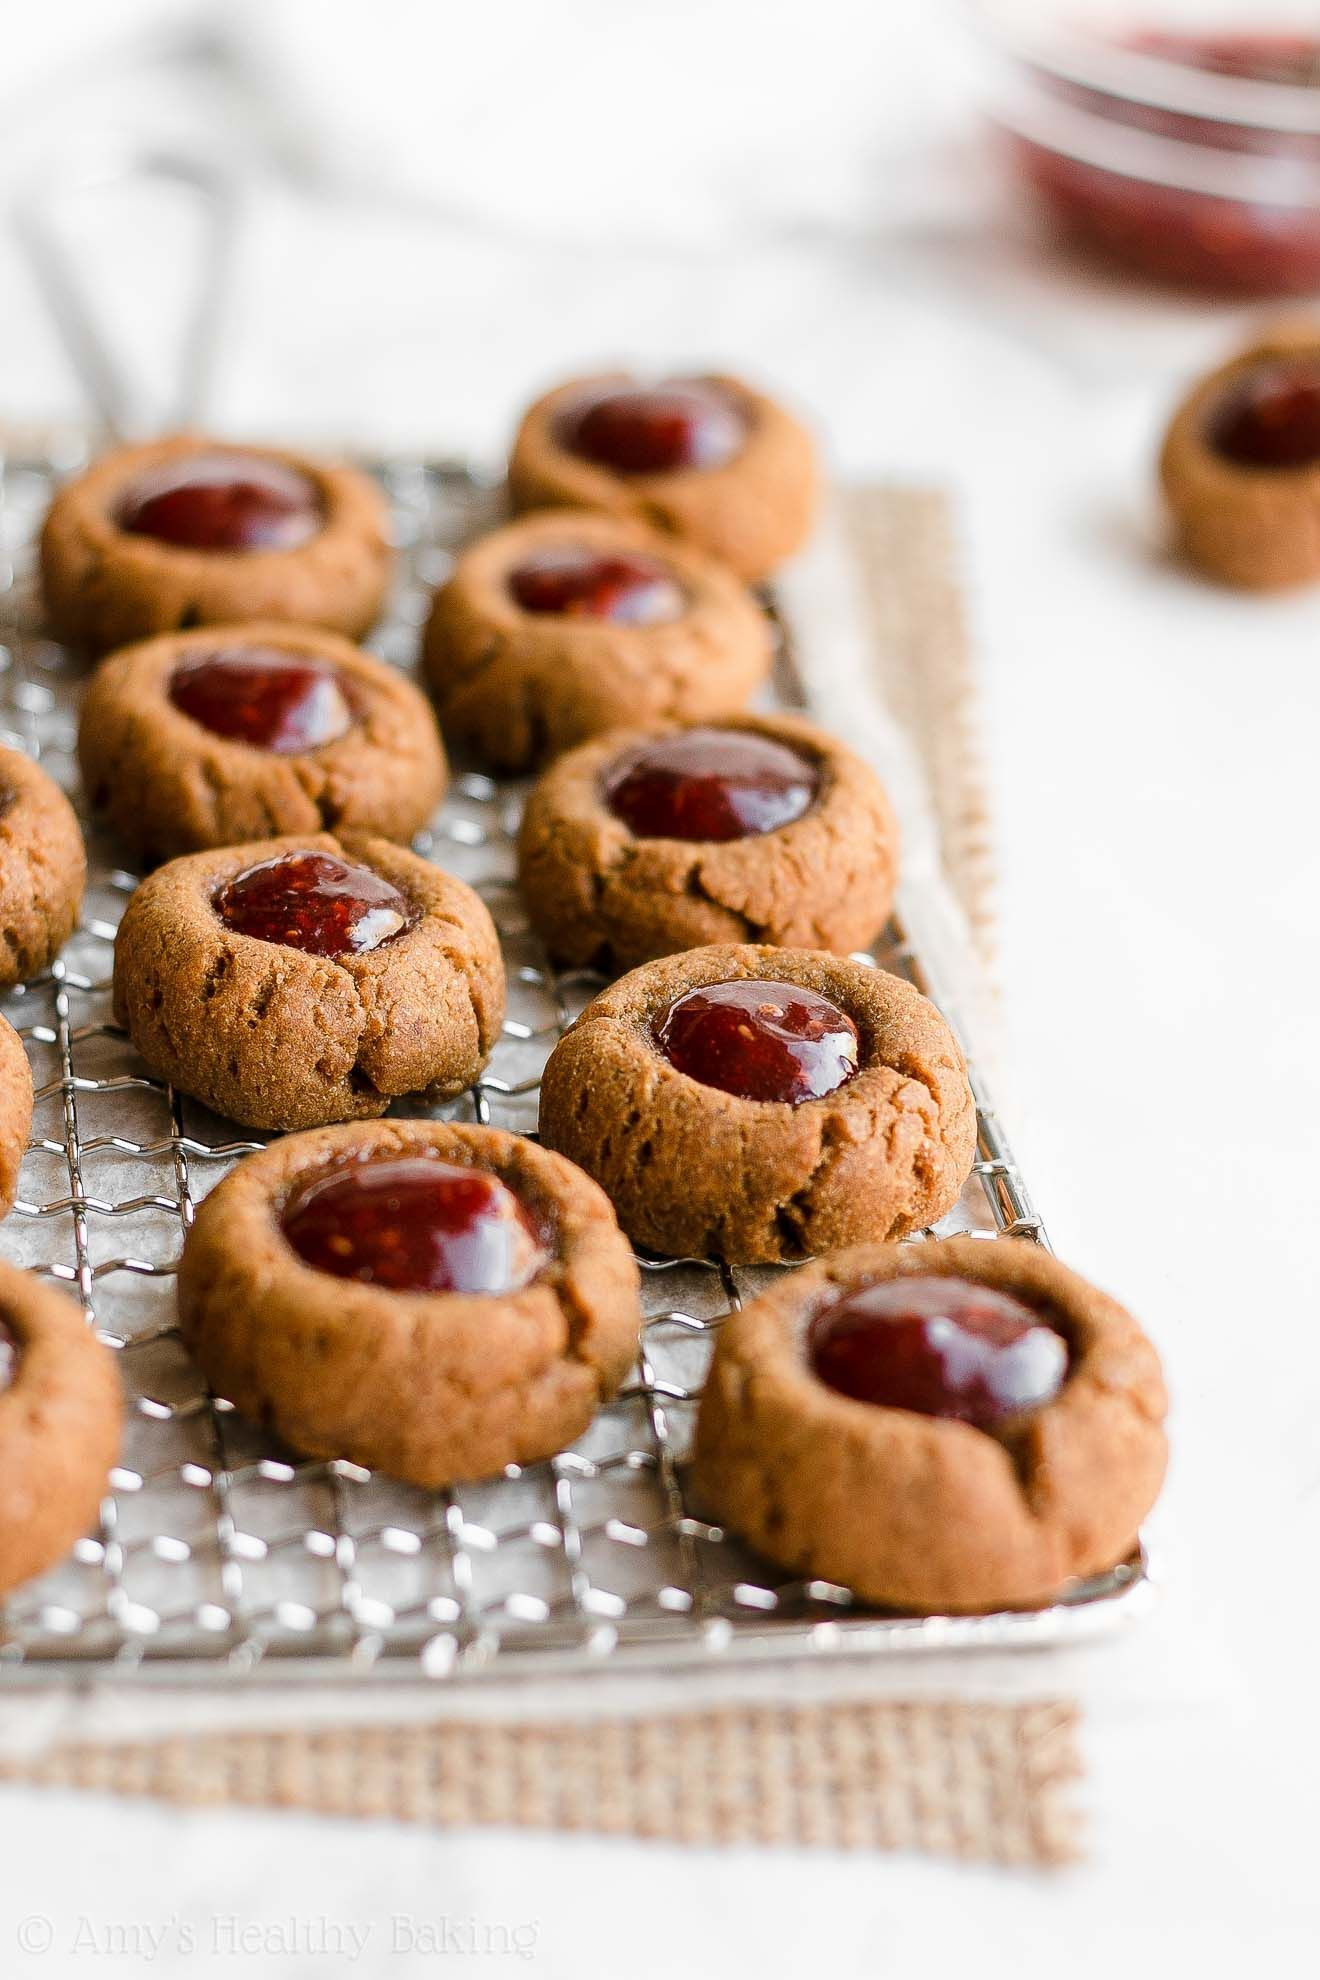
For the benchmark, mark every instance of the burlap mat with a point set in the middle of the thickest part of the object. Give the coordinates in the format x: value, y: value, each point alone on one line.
x: 979, y: 1782
x: 982, y: 1782
x: 906, y: 556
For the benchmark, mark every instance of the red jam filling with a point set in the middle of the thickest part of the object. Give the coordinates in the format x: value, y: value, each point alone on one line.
x: 576, y: 583
x: 760, y: 1040
x: 656, y: 429
x: 316, y: 902
x: 8, y: 1356
x: 709, y: 785
x: 1171, y: 233
x: 223, y: 501
x: 261, y: 696
x: 416, y: 1225
x: 941, y: 1347
x: 1270, y: 417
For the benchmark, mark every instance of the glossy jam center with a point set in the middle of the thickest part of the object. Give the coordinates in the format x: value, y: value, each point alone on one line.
x: 258, y: 695
x: 761, y: 1040
x: 940, y: 1346
x: 709, y: 784
x: 1270, y: 418
x: 313, y: 901
x: 416, y: 1225
x: 223, y: 501
x: 8, y: 1356
x: 576, y: 583
x: 654, y: 429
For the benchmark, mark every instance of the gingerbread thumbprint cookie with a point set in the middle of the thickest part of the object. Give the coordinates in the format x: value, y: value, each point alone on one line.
x: 437, y: 1302
x: 237, y: 732
x: 706, y: 459
x: 760, y: 829
x: 297, y: 981
x: 43, y: 869
x: 15, y: 1112
x: 195, y: 532
x: 60, y: 1412
x: 1241, y: 465
x: 959, y: 1425
x: 558, y: 627
x: 760, y: 1104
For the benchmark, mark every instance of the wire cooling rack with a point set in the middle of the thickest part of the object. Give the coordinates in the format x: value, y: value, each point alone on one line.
x: 220, y: 1552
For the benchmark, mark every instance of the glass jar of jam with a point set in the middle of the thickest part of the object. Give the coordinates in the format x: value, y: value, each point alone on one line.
x: 1182, y: 145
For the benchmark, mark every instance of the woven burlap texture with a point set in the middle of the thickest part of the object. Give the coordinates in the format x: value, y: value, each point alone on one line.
x: 978, y: 1782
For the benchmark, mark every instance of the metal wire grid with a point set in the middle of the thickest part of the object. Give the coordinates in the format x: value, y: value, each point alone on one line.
x: 219, y: 1551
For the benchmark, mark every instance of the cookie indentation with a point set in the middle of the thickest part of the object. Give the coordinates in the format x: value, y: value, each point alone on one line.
x: 316, y: 902
x: 709, y: 785
x: 1270, y: 417
x: 761, y: 1040
x: 416, y: 1225
x: 938, y: 1346
x: 222, y: 501
x: 655, y: 429
x: 628, y: 588
x: 258, y: 695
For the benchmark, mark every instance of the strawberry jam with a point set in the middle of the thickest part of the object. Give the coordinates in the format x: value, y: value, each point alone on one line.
x: 939, y: 1346
x: 8, y: 1356
x: 1198, y: 208
x: 1270, y: 416
x: 760, y: 1040
x: 709, y: 785
x: 262, y: 696
x: 416, y: 1224
x: 316, y: 902
x: 656, y: 429
x: 629, y: 588
x: 222, y: 501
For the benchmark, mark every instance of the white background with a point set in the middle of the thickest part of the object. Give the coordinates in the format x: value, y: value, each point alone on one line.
x: 450, y: 208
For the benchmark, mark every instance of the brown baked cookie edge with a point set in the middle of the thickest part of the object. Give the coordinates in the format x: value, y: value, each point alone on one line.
x: 432, y: 1388
x: 922, y: 1513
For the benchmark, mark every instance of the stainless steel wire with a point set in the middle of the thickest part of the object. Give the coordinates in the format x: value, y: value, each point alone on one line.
x: 221, y: 1553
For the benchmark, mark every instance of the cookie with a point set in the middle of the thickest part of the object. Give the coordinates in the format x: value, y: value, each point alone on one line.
x: 760, y: 1104
x: 706, y: 459
x: 433, y: 1301
x: 189, y: 531
x: 764, y: 829
x: 60, y: 1413
x: 43, y: 869
x: 230, y: 733
x: 15, y: 1112
x: 558, y: 627
x: 1241, y: 464
x: 296, y: 981
x: 957, y: 1425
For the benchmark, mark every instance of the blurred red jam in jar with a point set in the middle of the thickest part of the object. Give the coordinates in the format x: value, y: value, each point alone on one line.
x: 1187, y: 154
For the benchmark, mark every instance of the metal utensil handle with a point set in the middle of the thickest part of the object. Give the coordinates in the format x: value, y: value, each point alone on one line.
x: 120, y: 405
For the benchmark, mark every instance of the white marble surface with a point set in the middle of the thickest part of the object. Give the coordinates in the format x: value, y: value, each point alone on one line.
x: 1152, y: 745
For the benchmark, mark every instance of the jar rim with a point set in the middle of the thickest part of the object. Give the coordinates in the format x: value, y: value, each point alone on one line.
x: 1088, y: 59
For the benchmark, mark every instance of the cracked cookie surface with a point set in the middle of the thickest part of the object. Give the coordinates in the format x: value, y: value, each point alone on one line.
x: 921, y: 1512
x: 275, y: 1037
x: 105, y: 586
x: 601, y: 896
x: 692, y: 1170
x: 43, y: 869
x: 751, y: 511
x: 430, y: 1387
x: 169, y: 785
x: 60, y: 1412
x: 15, y: 1112
x: 517, y: 687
